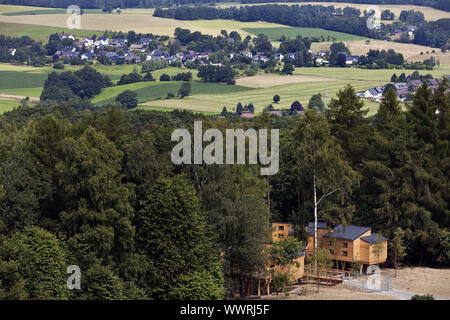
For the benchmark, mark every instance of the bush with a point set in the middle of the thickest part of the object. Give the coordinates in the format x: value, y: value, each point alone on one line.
x: 148, y: 77
x: 164, y: 77
x: 280, y: 282
x: 184, y: 90
x: 58, y: 65
x: 422, y: 297
x: 128, y: 99
x: 170, y: 95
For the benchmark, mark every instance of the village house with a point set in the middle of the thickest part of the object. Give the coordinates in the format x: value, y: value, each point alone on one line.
x: 352, y: 60
x: 413, y: 85
x: 279, y: 57
x: 433, y: 83
x: 66, y: 36
x: 246, y: 54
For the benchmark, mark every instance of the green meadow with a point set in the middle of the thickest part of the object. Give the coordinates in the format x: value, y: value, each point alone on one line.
x: 7, y: 105
x: 50, y: 11
x: 274, y: 34
x: 149, y: 91
x: 39, y: 33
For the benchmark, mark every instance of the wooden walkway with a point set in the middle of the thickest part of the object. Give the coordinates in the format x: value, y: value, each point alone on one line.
x: 326, y: 276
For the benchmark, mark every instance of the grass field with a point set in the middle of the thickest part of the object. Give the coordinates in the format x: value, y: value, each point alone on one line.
x: 39, y: 33
x: 275, y: 34
x: 95, y: 22
x: 41, y: 11
x: 7, y: 105
x: 210, y: 97
x: 429, y: 13
x: 149, y: 91
x: 411, y: 52
x: 28, y: 81
x: 7, y: 8
x: 333, y: 79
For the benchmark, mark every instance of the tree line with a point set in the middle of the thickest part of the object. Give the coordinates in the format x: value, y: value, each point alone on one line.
x: 313, y: 16
x: 102, y: 4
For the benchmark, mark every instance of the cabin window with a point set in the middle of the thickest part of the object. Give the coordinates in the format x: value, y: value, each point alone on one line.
x: 345, y: 253
x: 281, y: 228
x: 280, y: 235
x: 332, y: 251
x: 345, y: 245
x: 330, y: 243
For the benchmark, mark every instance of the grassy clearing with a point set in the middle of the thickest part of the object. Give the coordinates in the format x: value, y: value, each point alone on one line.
x: 16, y: 80
x: 7, y: 105
x: 148, y: 91
x: 38, y: 33
x: 275, y: 34
x: 272, y: 80
x: 162, y: 109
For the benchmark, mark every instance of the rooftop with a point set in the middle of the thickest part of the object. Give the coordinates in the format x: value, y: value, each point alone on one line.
x: 373, y: 238
x: 346, y: 232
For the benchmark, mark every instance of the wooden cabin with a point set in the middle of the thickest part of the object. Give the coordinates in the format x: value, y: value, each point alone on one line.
x: 281, y: 231
x: 348, y: 244
x: 261, y: 283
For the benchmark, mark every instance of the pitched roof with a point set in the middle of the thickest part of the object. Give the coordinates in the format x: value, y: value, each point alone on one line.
x: 320, y: 225
x: 373, y: 238
x: 346, y: 232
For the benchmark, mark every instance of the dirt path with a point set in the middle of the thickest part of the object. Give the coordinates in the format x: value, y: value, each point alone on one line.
x: 20, y: 98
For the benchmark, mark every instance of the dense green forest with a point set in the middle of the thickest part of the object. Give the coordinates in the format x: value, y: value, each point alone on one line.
x: 88, y: 4
x: 95, y: 187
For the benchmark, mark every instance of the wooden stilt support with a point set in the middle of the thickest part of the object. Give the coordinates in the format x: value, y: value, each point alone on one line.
x: 259, y: 285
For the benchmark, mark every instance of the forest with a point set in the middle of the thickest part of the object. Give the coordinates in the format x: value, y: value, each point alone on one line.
x: 95, y: 187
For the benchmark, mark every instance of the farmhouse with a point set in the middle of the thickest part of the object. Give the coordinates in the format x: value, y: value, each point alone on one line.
x: 352, y: 60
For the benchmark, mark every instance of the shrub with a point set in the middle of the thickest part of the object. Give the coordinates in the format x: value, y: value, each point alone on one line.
x: 128, y: 99
x: 164, y: 77
x: 422, y: 297
x: 58, y: 65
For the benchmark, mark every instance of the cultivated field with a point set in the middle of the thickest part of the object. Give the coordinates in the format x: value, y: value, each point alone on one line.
x: 114, y: 22
x: 429, y: 13
x: 214, y: 27
x: 159, y: 90
x: 268, y: 80
x: 331, y: 80
x: 6, y: 8
x: 275, y: 34
x: 7, y: 105
x: 411, y: 52
x: 38, y: 33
